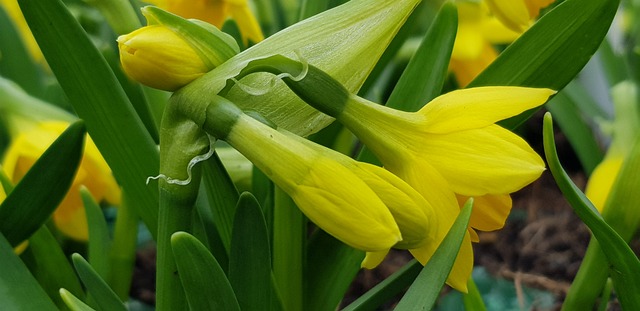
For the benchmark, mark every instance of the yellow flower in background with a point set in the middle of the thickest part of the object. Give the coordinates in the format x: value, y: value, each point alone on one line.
x: 157, y: 57
x: 14, y: 12
x: 216, y: 12
x: 517, y: 14
x: 473, y: 49
x: 624, y: 129
x: 93, y: 173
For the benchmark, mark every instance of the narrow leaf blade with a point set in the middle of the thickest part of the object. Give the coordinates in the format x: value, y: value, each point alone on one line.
x: 204, y: 281
x: 43, y: 187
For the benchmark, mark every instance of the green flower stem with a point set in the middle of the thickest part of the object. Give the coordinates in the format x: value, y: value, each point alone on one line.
x: 288, y: 250
x: 119, y: 14
x: 181, y: 140
x: 123, y: 252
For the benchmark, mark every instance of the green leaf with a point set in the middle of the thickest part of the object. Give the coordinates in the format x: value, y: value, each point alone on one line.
x: 44, y: 186
x: 96, y: 96
x: 122, y: 254
x: 97, y: 288
x: 625, y: 266
x: 16, y: 63
x: 204, y: 282
x: 387, y: 288
x: 331, y: 267
x: 425, y: 290
x: 289, y: 228
x: 73, y: 302
x: 578, y: 132
x: 552, y: 52
x: 19, y: 290
x: 222, y: 196
x: 51, y: 266
x: 250, y: 258
x: 98, y: 234
x: 426, y: 72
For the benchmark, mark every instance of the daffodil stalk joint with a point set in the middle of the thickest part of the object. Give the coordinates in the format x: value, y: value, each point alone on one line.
x: 171, y: 51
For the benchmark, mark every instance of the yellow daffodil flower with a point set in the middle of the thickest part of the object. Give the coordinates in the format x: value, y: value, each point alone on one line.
x: 171, y: 52
x: 14, y: 12
x: 216, y: 12
x: 473, y: 49
x: 93, y: 173
x: 453, y: 145
x: 517, y: 14
x: 327, y: 192
x: 624, y: 130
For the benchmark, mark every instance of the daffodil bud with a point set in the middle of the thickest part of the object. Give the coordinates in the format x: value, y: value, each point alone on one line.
x: 171, y: 52
x: 326, y: 191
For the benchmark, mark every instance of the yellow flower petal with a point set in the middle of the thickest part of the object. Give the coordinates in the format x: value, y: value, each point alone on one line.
x: 466, y: 70
x: 373, y: 259
x: 483, y: 161
x: 601, y: 181
x: 433, y: 187
x: 249, y: 27
x: 490, y: 212
x: 479, y: 107
x: 513, y: 13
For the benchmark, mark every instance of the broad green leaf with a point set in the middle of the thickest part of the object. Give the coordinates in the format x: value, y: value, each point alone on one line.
x: 425, y: 290
x: 44, y: 186
x: 424, y: 76
x: 387, y: 288
x: 51, y: 266
x: 625, y: 266
x: 96, y: 96
x: 97, y: 288
x: 289, y: 229
x: 250, y: 258
x: 331, y: 267
x: 19, y: 290
x: 73, y: 302
x: 552, y: 52
x: 204, y: 282
x: 98, y: 234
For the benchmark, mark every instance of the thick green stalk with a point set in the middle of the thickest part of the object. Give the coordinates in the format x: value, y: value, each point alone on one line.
x: 181, y: 141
